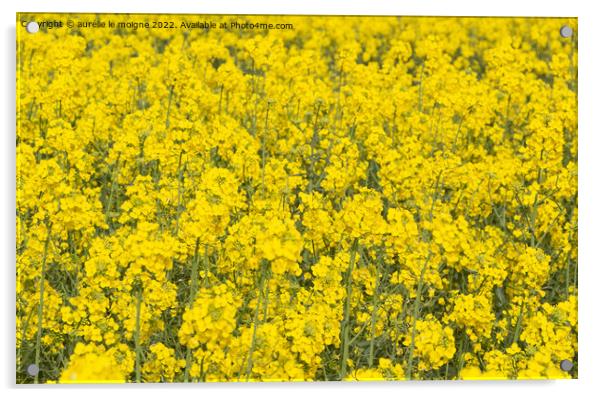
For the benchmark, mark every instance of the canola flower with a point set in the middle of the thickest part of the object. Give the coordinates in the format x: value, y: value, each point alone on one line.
x: 352, y: 198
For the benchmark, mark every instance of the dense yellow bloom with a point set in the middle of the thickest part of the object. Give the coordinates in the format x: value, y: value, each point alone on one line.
x: 475, y: 314
x: 94, y: 364
x: 162, y: 365
x: 211, y: 319
x: 434, y: 343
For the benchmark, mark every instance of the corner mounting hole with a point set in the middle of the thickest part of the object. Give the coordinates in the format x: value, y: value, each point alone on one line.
x: 32, y: 27
x: 566, y: 365
x: 566, y: 31
x: 33, y: 370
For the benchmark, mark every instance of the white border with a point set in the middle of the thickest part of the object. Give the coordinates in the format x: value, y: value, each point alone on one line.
x: 590, y: 222
x: 319, y: 7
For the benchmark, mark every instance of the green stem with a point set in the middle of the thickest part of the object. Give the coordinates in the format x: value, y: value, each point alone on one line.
x: 345, y: 325
x: 255, y: 325
x: 518, y: 323
x: 266, y: 299
x: 180, y: 193
x: 374, y: 313
x: 194, y: 281
x: 206, y: 263
x: 137, y: 336
x: 188, y: 362
x: 463, y: 346
x: 417, y: 302
x: 110, y: 200
x: 194, y: 275
x: 315, y: 140
x: 41, y: 304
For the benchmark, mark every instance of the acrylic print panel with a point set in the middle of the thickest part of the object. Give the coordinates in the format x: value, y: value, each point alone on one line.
x: 226, y: 198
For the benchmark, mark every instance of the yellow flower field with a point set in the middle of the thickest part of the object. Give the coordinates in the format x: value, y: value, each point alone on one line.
x: 340, y: 198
